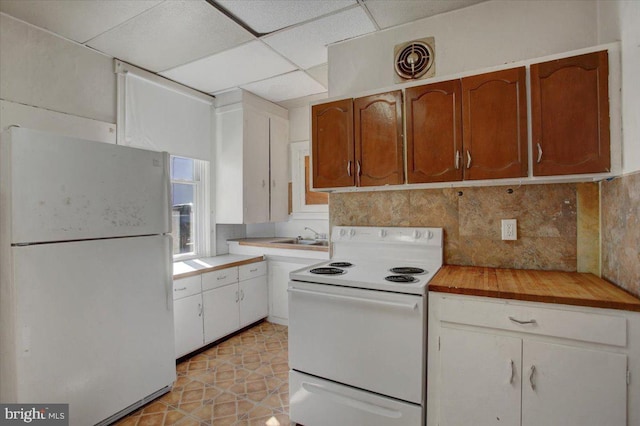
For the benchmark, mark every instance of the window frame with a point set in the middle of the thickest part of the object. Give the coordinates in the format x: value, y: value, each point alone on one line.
x: 201, y: 226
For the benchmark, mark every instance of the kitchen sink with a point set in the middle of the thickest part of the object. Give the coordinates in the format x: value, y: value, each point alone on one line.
x: 303, y: 242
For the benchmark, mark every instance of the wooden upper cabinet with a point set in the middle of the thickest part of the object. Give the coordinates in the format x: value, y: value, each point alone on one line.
x: 378, y: 139
x: 332, y: 144
x: 495, y: 125
x: 570, y: 115
x: 434, y: 132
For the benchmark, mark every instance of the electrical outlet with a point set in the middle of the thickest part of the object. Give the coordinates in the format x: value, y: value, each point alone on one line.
x: 509, y: 229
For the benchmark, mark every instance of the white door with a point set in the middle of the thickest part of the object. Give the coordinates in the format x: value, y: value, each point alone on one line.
x: 94, y: 322
x: 479, y: 379
x: 220, y: 312
x: 570, y: 386
x: 188, y: 326
x: 279, y: 168
x: 253, y: 300
x: 256, y: 167
x: 65, y: 189
x: 368, y: 339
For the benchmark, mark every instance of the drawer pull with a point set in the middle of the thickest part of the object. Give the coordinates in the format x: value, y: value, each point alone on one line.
x: 180, y: 289
x: 523, y: 322
x: 253, y: 270
x: 199, y: 309
x: 532, y: 373
x: 513, y: 371
x: 221, y: 278
x: 237, y: 296
x: 241, y: 294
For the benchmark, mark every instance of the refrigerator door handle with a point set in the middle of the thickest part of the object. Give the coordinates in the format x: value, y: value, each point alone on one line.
x: 167, y: 195
x: 169, y: 272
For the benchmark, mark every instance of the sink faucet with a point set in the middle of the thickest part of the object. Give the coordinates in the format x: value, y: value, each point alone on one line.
x: 317, y: 236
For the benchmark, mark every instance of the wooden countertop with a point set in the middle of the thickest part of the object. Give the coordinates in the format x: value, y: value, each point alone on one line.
x: 277, y: 242
x: 569, y: 288
x: 187, y: 268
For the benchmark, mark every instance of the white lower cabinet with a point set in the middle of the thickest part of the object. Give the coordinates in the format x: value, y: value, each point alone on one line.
x: 278, y: 282
x: 518, y: 372
x: 215, y: 304
x: 187, y: 315
x: 220, y: 312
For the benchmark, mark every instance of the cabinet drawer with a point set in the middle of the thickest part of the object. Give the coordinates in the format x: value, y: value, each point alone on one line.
x: 186, y: 287
x: 584, y: 326
x: 253, y: 270
x: 216, y: 279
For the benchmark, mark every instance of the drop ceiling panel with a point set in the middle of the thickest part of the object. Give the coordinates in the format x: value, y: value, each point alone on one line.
x: 76, y: 20
x: 391, y: 13
x: 270, y: 15
x: 306, y: 45
x: 244, y: 64
x: 288, y: 86
x: 171, y: 34
x: 320, y: 73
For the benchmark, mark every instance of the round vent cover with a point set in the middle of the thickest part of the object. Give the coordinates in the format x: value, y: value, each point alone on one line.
x: 414, y: 60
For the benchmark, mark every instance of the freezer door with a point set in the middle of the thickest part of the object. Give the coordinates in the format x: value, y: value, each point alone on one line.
x: 94, y: 324
x: 63, y: 189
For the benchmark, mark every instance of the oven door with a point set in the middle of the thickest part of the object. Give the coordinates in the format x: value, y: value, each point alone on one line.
x: 368, y: 339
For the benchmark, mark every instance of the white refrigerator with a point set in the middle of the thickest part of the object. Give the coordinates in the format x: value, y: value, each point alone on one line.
x: 85, y: 275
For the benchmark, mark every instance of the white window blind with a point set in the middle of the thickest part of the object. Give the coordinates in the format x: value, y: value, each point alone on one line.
x: 157, y: 114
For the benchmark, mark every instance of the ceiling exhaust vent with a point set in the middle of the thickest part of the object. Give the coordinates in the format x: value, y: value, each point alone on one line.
x: 415, y: 60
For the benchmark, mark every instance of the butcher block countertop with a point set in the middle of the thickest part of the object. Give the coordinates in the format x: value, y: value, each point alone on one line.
x: 569, y: 288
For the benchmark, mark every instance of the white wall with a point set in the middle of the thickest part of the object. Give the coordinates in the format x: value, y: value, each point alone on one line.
x: 40, y: 69
x: 630, y: 36
x: 484, y: 35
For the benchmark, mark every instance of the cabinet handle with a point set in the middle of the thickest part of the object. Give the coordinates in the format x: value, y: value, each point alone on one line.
x: 264, y: 183
x: 468, y: 159
x: 274, y: 183
x: 253, y: 270
x: 241, y: 294
x: 532, y: 373
x: 349, y: 168
x: 221, y: 278
x: 199, y: 309
x: 513, y: 371
x: 180, y: 289
x: 539, y: 152
x: 457, y: 159
x: 237, y: 296
x: 532, y: 321
x: 358, y: 164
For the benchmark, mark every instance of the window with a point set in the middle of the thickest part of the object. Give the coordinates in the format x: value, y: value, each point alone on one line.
x: 190, y: 227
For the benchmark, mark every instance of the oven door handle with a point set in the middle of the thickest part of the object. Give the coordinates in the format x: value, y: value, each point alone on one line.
x: 409, y: 306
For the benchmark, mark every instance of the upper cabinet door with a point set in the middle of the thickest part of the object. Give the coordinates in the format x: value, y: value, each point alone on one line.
x: 378, y: 139
x: 332, y: 144
x: 434, y: 132
x: 570, y: 113
x: 495, y: 125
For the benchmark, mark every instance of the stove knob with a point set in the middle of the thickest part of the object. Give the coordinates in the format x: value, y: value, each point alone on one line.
x: 352, y: 232
x: 429, y: 235
x: 343, y: 232
x: 416, y: 234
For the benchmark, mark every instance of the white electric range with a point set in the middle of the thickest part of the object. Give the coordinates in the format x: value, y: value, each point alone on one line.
x: 357, y: 328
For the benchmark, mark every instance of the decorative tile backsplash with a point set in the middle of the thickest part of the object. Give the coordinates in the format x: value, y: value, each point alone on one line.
x: 471, y: 217
x: 621, y: 232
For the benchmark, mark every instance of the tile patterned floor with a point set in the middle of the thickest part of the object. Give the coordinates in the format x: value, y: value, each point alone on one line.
x: 242, y: 381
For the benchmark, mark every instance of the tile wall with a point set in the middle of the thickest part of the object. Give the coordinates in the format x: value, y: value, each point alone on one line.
x: 621, y: 232
x: 547, y: 215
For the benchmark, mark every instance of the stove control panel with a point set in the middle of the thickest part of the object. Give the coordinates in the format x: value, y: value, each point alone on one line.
x: 371, y: 234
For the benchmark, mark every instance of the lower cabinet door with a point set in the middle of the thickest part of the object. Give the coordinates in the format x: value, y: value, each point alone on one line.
x: 220, y: 312
x: 571, y: 386
x: 187, y: 324
x: 479, y: 379
x: 253, y: 300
